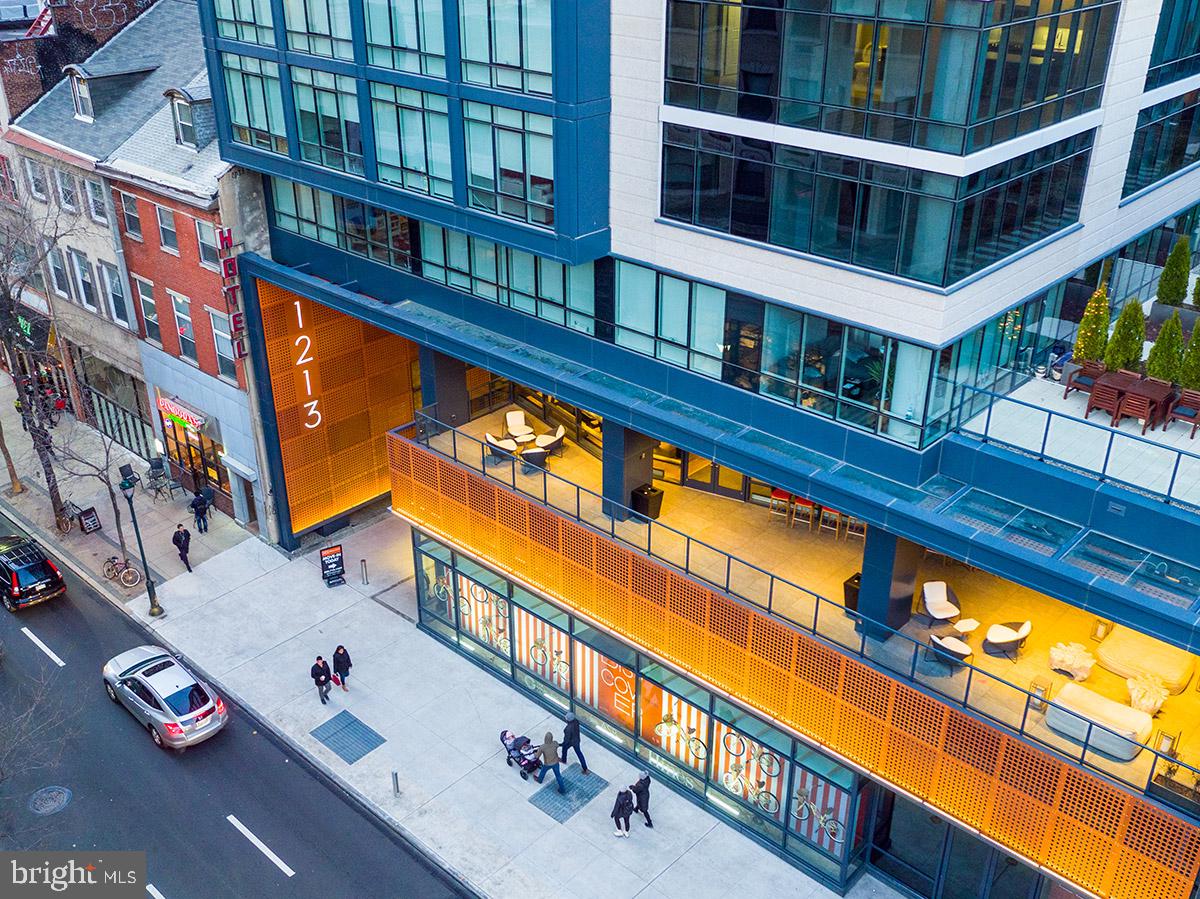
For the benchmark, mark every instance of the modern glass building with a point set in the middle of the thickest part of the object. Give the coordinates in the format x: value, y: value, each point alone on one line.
x: 716, y: 353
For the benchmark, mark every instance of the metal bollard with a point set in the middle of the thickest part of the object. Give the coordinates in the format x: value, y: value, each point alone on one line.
x: 363, y: 564
x: 395, y: 783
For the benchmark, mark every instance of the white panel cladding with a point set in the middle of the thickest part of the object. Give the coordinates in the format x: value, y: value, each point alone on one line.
x: 922, y: 314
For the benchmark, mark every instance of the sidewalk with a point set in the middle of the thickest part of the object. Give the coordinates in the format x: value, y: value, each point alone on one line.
x: 254, y: 621
x: 157, y: 518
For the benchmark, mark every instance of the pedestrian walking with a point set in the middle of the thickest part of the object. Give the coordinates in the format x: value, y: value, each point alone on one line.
x: 622, y: 809
x: 342, y: 666
x: 182, y: 538
x: 199, y: 507
x: 570, y: 741
x: 641, y: 795
x: 321, y: 677
x: 550, y: 761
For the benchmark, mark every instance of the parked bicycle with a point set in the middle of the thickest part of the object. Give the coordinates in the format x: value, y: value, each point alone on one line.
x: 539, y: 653
x: 122, y: 570
x: 756, y: 794
x: 66, y: 517
x: 768, y: 762
x: 804, y: 808
x: 669, y: 726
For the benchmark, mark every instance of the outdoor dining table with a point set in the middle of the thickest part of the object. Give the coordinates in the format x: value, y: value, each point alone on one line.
x: 1157, y: 393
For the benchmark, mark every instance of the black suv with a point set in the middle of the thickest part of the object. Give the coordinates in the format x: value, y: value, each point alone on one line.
x: 28, y: 577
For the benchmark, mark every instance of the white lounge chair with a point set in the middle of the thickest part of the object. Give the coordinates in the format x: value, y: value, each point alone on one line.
x: 939, y: 601
x: 1007, y: 639
x: 551, y: 443
x: 952, y: 647
x: 504, y: 450
x: 515, y: 422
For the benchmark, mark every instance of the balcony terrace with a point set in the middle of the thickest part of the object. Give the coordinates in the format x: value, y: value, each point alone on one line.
x: 1036, y: 419
x: 797, y: 573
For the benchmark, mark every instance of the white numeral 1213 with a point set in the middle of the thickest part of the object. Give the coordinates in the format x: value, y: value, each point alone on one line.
x: 313, y: 420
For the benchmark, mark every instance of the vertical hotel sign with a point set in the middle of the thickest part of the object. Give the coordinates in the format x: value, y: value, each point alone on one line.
x: 231, y: 289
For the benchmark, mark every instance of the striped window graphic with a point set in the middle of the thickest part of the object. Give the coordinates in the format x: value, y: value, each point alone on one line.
x: 437, y: 588
x: 483, y: 614
x: 820, y: 812
x: 676, y: 727
x: 605, y: 685
x: 542, y: 648
x: 755, y: 773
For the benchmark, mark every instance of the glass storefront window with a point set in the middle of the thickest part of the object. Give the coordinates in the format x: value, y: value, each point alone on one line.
x: 752, y: 771
x: 483, y: 615
x: 196, y: 457
x: 605, y: 685
x: 542, y: 649
x: 674, y: 727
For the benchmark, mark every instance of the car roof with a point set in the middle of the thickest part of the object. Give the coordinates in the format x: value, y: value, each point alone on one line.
x: 20, y: 552
x: 170, y: 679
x: 131, y: 659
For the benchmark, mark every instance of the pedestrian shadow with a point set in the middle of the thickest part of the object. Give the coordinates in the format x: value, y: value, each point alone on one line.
x: 580, y: 790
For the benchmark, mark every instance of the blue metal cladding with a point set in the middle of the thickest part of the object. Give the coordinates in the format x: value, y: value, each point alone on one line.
x: 580, y: 109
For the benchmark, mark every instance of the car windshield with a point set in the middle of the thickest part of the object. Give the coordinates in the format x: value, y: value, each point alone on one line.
x: 188, y: 700
x: 33, y: 574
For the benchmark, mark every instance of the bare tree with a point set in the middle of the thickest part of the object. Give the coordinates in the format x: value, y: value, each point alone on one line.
x: 28, y: 235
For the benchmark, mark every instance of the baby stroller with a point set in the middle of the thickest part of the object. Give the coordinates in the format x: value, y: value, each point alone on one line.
x: 521, y: 752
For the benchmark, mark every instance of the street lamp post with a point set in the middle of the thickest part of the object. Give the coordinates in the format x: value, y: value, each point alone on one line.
x: 127, y: 486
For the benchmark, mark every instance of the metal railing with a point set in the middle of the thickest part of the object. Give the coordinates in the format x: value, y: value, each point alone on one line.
x: 962, y: 684
x: 1094, y: 449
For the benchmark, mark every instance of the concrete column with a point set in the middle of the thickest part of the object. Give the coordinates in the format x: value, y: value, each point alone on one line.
x: 627, y: 462
x: 444, y: 381
x: 889, y: 578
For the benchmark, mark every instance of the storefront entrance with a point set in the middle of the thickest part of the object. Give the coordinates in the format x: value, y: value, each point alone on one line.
x: 192, y: 443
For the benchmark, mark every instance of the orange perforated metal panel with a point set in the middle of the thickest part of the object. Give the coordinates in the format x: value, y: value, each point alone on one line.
x: 339, y: 385
x: 1094, y: 834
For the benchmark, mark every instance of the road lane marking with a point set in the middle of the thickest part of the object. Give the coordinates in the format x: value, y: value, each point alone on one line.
x: 262, y: 847
x: 43, y: 647
x: 153, y: 892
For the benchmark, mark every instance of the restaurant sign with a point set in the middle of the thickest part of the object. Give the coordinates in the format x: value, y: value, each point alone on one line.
x: 181, y: 414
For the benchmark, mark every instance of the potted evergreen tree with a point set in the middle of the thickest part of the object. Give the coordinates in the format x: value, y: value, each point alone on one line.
x: 1125, y: 347
x: 1189, y: 368
x: 1092, y: 336
x: 1173, y: 282
x: 1166, y: 355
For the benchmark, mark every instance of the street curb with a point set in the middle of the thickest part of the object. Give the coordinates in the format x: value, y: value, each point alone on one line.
x: 323, y: 772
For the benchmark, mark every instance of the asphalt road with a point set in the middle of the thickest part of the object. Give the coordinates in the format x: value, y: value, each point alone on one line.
x: 129, y: 794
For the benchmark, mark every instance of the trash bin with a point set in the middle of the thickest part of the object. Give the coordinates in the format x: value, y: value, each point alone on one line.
x: 647, y: 501
x: 850, y: 588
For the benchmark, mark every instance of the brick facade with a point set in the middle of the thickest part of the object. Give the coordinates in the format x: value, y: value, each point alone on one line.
x: 183, y: 273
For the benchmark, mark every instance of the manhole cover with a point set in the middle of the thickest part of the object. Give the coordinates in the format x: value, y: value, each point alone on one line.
x: 49, y: 800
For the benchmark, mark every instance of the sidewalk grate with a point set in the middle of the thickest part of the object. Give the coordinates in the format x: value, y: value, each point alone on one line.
x: 580, y: 789
x: 348, y: 737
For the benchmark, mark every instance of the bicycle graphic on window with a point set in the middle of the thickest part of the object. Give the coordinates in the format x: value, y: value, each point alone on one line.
x: 804, y: 808
x: 669, y: 727
x: 768, y: 762
x: 439, y: 587
x: 494, y: 632
x: 539, y: 654
x: 483, y: 598
x: 756, y: 794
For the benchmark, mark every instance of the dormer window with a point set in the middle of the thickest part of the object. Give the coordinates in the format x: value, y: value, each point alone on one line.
x: 185, y: 129
x: 82, y: 96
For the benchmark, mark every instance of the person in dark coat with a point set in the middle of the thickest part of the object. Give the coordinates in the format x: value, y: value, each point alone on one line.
x: 321, y: 677
x: 641, y: 794
x: 342, y: 666
x: 550, y: 761
x: 622, y: 809
x: 199, y: 507
x: 182, y: 538
x: 570, y: 741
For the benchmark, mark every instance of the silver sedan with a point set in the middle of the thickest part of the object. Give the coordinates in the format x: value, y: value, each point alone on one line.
x: 177, y: 709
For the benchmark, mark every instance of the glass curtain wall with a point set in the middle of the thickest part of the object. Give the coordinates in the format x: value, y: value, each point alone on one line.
x: 406, y: 35
x: 327, y: 119
x: 510, y: 162
x: 804, y: 805
x: 948, y: 75
x: 1176, y: 52
x: 1167, y: 140
x: 245, y: 20
x: 412, y: 140
x: 255, y: 103
x: 507, y: 44
x: 916, y: 224
x: 319, y: 27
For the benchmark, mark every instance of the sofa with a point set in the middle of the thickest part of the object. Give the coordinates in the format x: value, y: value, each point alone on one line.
x: 1130, y: 654
x: 1127, y: 728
